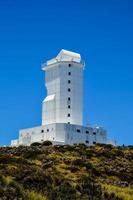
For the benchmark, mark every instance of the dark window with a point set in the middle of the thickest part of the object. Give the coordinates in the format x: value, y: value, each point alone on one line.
x: 69, y: 98
x: 69, y: 106
x: 94, y: 142
x: 69, y: 65
x: 87, y: 132
x: 94, y: 133
x: 69, y: 73
x: 78, y: 130
x: 47, y: 130
x: 87, y: 141
x: 42, y: 131
x: 69, y: 90
x: 68, y: 115
x: 69, y: 81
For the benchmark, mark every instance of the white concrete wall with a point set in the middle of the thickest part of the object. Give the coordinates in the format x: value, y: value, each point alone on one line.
x: 87, y: 135
x: 63, y: 133
x: 75, y: 94
x: 52, y: 83
x: 37, y: 134
x: 57, y: 77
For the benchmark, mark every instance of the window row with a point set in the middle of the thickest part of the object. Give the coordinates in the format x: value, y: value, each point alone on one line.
x: 82, y: 131
x: 87, y: 132
x: 69, y: 90
x: 42, y: 131
x: 71, y: 138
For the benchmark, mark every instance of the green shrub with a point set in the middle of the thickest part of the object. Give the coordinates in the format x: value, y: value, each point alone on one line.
x: 82, y: 145
x: 130, y: 147
x: 31, y: 153
x: 63, y: 192
x: 82, y: 163
x: 35, y: 144
x: 73, y: 169
x: 78, y: 162
x: 47, y: 143
x: 109, y: 146
x: 89, y: 153
x: 69, y: 147
x: 90, y: 188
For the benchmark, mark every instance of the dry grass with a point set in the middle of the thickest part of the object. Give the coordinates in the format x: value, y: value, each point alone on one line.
x: 35, y: 196
x: 124, y: 193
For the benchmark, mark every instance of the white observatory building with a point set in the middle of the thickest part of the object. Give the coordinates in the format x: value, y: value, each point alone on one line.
x: 64, y: 83
x: 62, y: 108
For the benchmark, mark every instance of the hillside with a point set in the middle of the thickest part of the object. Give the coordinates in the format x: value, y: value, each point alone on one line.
x: 42, y: 172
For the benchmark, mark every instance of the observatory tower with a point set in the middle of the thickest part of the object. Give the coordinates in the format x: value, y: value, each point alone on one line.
x: 64, y: 83
x: 62, y: 108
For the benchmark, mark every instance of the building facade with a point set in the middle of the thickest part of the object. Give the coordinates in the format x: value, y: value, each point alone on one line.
x: 62, y: 109
x: 64, y: 84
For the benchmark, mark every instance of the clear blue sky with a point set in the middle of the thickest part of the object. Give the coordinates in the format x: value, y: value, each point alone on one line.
x: 32, y: 31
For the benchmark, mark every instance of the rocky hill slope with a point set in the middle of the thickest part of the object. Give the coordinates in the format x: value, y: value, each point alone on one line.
x: 46, y: 172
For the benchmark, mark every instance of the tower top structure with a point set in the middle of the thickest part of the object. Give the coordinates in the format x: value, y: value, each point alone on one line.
x: 64, y: 56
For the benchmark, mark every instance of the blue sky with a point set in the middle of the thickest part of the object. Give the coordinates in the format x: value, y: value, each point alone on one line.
x: 33, y: 31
